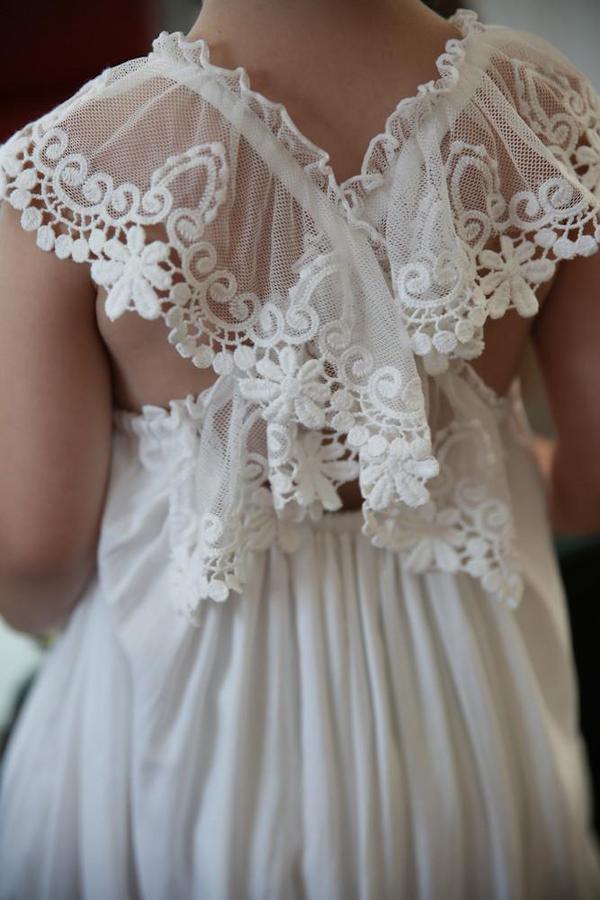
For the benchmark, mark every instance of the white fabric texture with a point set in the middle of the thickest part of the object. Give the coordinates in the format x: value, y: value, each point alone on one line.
x: 335, y: 316
x: 384, y: 702
x: 345, y: 729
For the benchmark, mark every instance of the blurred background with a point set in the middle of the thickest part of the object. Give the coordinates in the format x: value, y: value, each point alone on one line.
x: 53, y: 48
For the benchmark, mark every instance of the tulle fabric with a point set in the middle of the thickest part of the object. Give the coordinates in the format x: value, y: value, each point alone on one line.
x: 344, y: 729
x: 344, y: 726
x: 331, y: 315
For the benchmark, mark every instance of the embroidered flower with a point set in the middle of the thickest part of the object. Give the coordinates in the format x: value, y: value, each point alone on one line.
x: 507, y: 586
x: 343, y: 419
x: 318, y: 466
x: 432, y: 539
x: 393, y: 470
x: 513, y: 270
x: 265, y: 527
x: 289, y: 389
x: 479, y: 555
x: 132, y: 272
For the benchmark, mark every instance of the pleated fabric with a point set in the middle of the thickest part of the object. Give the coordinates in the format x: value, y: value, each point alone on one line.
x: 341, y: 730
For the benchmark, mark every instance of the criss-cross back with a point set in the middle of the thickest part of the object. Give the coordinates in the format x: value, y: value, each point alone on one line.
x: 382, y: 148
x: 337, y: 317
x: 379, y: 152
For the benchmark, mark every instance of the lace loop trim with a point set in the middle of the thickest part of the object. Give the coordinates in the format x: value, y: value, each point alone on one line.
x: 340, y: 376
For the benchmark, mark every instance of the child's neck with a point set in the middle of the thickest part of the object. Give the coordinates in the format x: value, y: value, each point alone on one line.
x: 249, y: 32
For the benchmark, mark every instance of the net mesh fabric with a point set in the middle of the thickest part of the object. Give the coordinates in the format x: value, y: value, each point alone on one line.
x: 337, y: 318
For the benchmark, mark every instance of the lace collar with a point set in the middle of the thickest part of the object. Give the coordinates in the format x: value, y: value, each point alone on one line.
x: 383, y: 147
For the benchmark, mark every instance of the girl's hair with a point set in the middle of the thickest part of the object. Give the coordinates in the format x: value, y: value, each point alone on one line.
x: 443, y: 7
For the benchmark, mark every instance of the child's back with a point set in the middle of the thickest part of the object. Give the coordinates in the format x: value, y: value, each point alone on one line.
x: 375, y: 701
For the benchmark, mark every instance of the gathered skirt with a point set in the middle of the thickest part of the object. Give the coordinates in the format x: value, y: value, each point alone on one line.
x: 342, y: 730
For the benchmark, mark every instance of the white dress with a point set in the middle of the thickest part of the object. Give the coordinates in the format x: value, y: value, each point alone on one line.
x: 379, y: 703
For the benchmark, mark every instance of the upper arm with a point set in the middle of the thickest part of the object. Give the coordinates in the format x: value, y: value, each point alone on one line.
x: 567, y: 340
x: 55, y: 405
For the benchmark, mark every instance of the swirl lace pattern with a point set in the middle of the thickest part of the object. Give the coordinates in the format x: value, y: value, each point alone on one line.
x: 331, y: 374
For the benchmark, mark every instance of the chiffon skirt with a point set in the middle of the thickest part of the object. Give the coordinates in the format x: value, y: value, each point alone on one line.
x: 342, y: 730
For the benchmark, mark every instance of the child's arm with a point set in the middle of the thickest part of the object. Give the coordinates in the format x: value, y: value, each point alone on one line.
x: 567, y: 339
x: 55, y: 429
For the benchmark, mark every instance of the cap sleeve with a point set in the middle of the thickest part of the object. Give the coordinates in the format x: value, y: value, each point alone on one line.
x: 498, y: 186
x: 104, y: 176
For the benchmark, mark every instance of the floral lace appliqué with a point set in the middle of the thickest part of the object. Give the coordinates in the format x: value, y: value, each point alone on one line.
x: 330, y: 372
